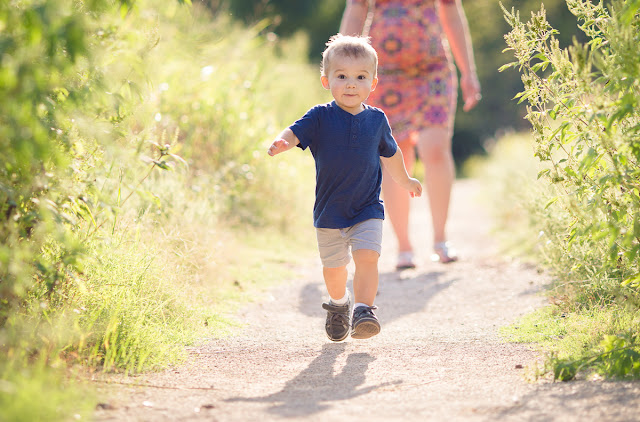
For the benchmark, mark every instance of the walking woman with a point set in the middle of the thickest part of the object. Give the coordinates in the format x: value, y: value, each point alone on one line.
x: 416, y: 40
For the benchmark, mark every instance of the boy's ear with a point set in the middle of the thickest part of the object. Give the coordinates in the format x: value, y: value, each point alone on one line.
x: 374, y: 84
x: 325, y: 82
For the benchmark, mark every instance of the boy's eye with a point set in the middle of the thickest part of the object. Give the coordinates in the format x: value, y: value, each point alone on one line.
x: 362, y: 77
x: 341, y: 77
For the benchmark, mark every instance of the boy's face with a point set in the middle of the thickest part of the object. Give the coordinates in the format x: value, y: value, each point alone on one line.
x: 351, y: 80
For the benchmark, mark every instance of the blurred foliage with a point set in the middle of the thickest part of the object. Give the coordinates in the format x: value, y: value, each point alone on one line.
x: 495, y: 114
x: 318, y: 20
x: 133, y: 136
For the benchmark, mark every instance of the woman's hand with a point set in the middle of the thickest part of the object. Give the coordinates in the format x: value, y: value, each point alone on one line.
x: 470, y: 91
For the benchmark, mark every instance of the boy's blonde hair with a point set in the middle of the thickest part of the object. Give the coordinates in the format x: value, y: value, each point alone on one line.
x: 349, y: 46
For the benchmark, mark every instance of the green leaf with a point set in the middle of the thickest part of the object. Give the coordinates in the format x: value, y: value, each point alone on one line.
x: 162, y: 164
x: 562, y: 127
x: 570, y: 172
x: 507, y: 66
x: 620, y: 114
x: 636, y: 228
x: 565, y: 371
x: 632, y: 281
x: 544, y: 172
x: 541, y: 57
x: 550, y: 202
x: 573, y: 236
x: 536, y: 67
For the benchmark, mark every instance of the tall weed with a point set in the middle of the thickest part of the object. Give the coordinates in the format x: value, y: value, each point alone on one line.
x: 582, y: 104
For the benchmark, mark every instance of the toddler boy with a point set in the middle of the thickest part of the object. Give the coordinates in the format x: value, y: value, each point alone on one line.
x: 348, y: 140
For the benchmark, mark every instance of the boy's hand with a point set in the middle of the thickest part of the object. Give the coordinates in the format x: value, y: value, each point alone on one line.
x: 278, y: 146
x: 414, y: 187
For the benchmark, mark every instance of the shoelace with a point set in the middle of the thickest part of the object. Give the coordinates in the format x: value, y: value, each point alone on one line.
x: 339, y: 320
x: 336, y: 317
x: 364, y: 310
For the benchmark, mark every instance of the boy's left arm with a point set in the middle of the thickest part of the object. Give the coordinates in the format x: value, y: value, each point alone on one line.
x: 395, y: 167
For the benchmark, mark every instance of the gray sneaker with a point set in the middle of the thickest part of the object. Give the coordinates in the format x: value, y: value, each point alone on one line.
x: 338, y: 323
x: 365, y: 322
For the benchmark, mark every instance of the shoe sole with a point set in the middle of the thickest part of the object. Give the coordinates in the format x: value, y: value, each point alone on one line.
x: 365, y: 329
x: 338, y: 339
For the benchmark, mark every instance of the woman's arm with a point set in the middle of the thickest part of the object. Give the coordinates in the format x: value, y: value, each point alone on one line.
x: 455, y: 26
x: 354, y: 17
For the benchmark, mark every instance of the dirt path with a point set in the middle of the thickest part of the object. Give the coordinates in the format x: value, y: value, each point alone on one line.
x: 438, y: 357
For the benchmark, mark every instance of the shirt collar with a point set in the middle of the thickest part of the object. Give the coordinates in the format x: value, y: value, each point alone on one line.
x: 340, y: 110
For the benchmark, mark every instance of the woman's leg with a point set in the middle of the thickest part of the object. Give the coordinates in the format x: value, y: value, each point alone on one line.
x: 396, y: 199
x: 434, y: 147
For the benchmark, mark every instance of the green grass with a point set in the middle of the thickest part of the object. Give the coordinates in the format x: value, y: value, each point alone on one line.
x: 577, y: 341
x: 589, y: 328
x: 565, y: 334
x: 38, y: 392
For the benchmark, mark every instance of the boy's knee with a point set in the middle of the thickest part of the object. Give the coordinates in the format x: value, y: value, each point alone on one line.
x: 365, y: 256
x: 334, y: 271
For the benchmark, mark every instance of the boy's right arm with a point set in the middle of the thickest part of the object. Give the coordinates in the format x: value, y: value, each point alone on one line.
x: 284, y: 142
x: 397, y: 170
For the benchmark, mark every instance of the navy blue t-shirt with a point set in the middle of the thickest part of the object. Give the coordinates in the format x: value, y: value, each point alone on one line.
x: 347, y: 150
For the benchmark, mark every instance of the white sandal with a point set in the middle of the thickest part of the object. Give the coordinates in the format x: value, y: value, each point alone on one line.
x: 405, y: 261
x: 444, y: 252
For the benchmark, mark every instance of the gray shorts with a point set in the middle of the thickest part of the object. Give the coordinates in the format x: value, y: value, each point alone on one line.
x: 334, y: 244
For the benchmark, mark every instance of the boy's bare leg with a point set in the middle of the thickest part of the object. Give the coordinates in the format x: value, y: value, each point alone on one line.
x: 365, y: 286
x: 336, y: 281
x: 365, y: 280
x: 338, y: 323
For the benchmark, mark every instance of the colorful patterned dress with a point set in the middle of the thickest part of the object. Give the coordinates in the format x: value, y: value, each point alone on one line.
x: 418, y: 83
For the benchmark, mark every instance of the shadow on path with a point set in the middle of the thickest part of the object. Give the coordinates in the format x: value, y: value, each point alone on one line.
x: 586, y: 399
x: 313, y: 389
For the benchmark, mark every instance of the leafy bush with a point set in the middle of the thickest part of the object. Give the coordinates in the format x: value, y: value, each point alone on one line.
x: 586, y: 122
x: 135, y: 137
x: 583, y: 106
